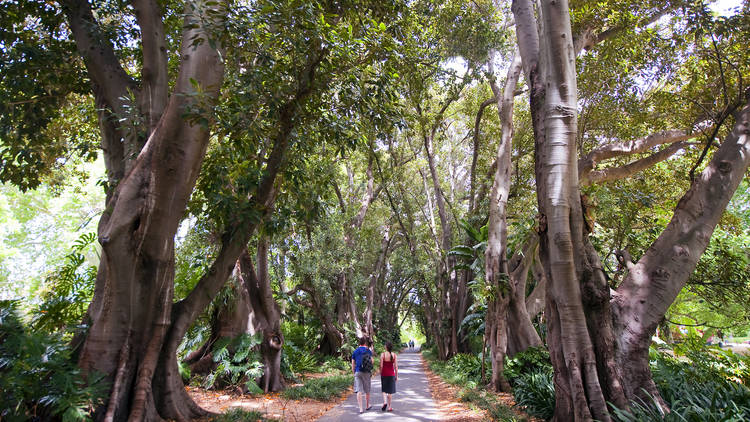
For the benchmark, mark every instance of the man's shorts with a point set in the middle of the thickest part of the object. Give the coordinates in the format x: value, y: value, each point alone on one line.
x: 362, y: 382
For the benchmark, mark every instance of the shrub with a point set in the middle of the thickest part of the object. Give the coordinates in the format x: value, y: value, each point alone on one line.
x: 536, y: 392
x: 703, y: 388
x: 702, y: 385
x: 300, y: 360
x: 37, y: 376
x: 532, y: 359
x: 320, y: 388
x: 237, y: 361
x: 333, y: 364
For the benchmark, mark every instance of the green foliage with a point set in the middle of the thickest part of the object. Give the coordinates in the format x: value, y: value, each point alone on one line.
x: 461, y: 369
x: 300, y: 341
x: 38, y: 377
x: 474, y: 322
x: 300, y: 360
x: 710, y: 362
x: 238, y: 360
x: 37, y: 229
x: 718, y: 291
x: 383, y: 336
x: 238, y: 415
x: 704, y: 385
x: 322, y: 389
x: 68, y: 290
x: 334, y: 363
x: 530, y: 360
x: 530, y: 374
x: 41, y: 70
x: 535, y: 391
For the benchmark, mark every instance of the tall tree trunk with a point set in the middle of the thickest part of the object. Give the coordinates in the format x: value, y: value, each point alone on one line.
x: 447, y: 274
x: 346, y: 306
x: 549, y: 64
x: 227, y: 321
x: 333, y: 338
x: 496, y: 330
x: 265, y: 316
x: 130, y: 314
x: 376, y: 274
x: 496, y: 263
x: 592, y: 337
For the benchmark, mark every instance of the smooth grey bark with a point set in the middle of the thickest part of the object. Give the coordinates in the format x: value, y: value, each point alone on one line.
x: 521, y: 332
x: 550, y: 69
x: 676, y: 139
x: 496, y: 264
x: 536, y: 299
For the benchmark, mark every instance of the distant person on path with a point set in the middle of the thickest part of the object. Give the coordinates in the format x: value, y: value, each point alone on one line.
x: 388, y: 375
x: 362, y: 368
x: 411, y: 344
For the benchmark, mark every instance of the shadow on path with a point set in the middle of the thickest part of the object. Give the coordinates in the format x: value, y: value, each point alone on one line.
x: 412, y: 401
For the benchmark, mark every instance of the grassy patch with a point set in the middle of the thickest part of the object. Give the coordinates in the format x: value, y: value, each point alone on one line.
x: 322, y: 389
x: 238, y: 415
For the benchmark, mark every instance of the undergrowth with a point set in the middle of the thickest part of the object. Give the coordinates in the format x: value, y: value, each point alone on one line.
x: 38, y: 379
x: 238, y: 415
x: 323, y: 389
x: 701, y: 385
x: 465, y: 370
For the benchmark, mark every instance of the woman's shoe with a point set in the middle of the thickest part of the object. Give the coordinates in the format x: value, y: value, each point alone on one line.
x: 384, y: 407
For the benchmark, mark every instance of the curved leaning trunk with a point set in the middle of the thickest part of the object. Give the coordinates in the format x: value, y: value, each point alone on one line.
x: 656, y: 279
x: 496, y: 265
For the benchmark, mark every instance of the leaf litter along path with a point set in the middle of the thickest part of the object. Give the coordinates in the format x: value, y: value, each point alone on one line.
x: 272, y: 406
x: 420, y: 395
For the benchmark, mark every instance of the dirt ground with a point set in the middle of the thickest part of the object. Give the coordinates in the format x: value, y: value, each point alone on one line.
x: 444, y: 395
x: 272, y: 405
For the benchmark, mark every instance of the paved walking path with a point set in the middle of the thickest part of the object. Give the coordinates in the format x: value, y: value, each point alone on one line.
x: 412, y: 401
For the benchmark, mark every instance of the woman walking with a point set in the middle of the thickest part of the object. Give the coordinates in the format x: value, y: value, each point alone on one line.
x: 388, y: 375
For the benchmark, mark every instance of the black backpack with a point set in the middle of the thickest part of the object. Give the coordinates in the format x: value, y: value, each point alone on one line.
x: 366, y: 365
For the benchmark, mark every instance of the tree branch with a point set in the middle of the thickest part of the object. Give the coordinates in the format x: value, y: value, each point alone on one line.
x: 616, y: 173
x: 475, y: 153
x: 154, y: 74
x: 619, y: 149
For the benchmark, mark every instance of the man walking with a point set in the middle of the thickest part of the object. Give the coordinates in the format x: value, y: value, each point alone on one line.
x: 362, y: 367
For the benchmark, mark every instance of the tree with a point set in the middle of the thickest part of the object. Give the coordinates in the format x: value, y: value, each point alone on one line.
x: 593, y: 337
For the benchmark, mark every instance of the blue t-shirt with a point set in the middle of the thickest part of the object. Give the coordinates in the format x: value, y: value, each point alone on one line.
x: 357, y: 356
